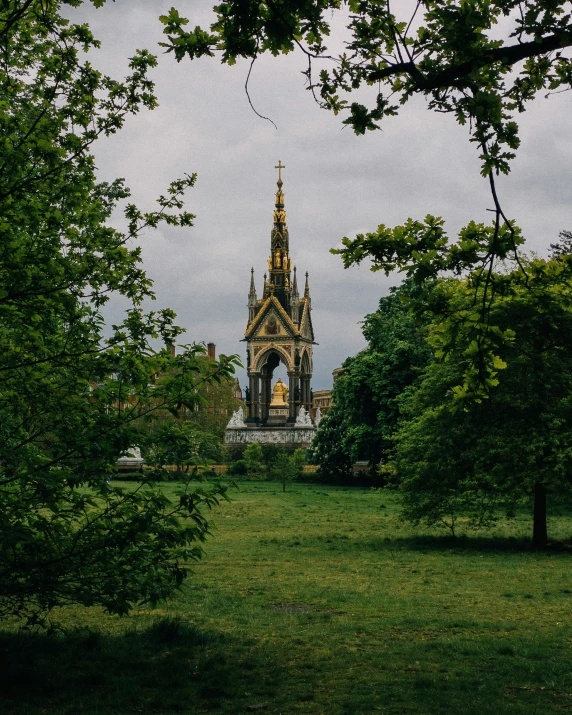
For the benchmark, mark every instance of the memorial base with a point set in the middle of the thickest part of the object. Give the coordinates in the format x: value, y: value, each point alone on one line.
x: 287, y: 437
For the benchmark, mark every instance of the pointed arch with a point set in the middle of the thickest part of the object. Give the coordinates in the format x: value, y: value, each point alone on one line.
x: 263, y: 358
x: 306, y: 362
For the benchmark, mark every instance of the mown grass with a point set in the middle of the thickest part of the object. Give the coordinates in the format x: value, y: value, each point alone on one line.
x: 321, y: 600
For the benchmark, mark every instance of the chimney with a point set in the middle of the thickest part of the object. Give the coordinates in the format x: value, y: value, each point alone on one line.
x: 211, y: 347
x: 171, y: 348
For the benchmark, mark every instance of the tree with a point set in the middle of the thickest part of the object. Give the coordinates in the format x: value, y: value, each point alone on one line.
x: 214, y: 410
x: 366, y: 397
x: 563, y: 246
x: 458, y: 58
x: 513, y: 448
x: 329, y: 449
x: 454, y: 55
x: 269, y: 453
x: 253, y: 458
x: 71, y: 399
x: 181, y: 444
x: 286, y: 468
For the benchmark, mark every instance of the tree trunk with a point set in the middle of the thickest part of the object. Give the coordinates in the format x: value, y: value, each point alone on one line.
x: 539, y: 529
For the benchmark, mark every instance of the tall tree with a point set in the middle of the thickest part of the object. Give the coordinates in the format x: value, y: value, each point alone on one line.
x: 366, y: 397
x: 512, y: 449
x: 71, y: 399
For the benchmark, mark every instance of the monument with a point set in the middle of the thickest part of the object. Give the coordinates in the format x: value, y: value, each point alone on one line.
x: 279, y: 331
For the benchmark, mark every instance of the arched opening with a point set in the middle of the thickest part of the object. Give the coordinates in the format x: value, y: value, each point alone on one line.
x: 275, y: 397
x: 269, y: 405
x: 305, y: 377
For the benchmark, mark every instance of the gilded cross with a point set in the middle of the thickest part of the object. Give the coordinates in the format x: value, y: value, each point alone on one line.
x: 280, y: 167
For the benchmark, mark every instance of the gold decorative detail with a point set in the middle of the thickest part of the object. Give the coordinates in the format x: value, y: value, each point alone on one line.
x: 258, y: 323
x: 280, y: 167
x: 279, y: 393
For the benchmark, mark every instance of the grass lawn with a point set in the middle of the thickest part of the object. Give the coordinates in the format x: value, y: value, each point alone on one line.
x: 321, y: 600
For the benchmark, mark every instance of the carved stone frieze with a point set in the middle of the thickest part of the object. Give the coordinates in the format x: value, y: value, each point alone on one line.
x: 269, y: 436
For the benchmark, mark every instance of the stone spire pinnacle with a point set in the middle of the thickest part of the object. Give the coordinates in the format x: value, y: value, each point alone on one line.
x: 252, y: 299
x: 252, y: 292
x: 307, y: 291
x: 295, y: 300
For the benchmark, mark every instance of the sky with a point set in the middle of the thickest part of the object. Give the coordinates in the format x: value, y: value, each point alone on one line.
x: 336, y: 184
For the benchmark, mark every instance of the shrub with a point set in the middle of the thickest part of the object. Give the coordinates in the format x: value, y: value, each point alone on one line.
x: 238, y: 468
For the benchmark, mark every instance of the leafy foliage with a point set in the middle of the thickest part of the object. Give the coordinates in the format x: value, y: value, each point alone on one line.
x: 454, y: 54
x: 182, y: 445
x: 212, y: 413
x: 563, y: 246
x: 253, y: 458
x: 287, y: 468
x: 366, y: 397
x: 71, y: 399
x: 328, y: 449
x: 238, y: 468
x: 513, y: 448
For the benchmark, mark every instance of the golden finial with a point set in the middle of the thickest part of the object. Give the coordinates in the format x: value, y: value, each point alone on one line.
x: 279, y: 213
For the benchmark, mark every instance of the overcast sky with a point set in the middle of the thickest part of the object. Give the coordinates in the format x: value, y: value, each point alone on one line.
x: 336, y: 184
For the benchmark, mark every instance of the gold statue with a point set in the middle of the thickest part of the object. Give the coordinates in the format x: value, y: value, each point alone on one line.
x: 279, y: 393
x: 280, y: 216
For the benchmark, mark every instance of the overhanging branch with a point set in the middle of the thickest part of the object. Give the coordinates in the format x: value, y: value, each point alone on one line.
x: 507, y: 56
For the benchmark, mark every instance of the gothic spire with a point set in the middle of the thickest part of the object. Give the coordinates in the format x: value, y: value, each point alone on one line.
x: 279, y: 238
x: 295, y: 300
x: 252, y: 299
x: 279, y: 263
x: 252, y: 292
x: 307, y: 291
x: 294, y: 286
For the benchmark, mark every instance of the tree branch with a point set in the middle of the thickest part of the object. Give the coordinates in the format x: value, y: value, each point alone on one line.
x: 508, y: 56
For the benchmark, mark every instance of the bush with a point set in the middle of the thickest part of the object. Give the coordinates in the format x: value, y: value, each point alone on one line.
x: 253, y: 459
x: 126, y: 476
x: 238, y: 468
x: 269, y: 453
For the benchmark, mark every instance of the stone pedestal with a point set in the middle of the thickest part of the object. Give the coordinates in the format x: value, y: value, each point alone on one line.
x: 277, y: 416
